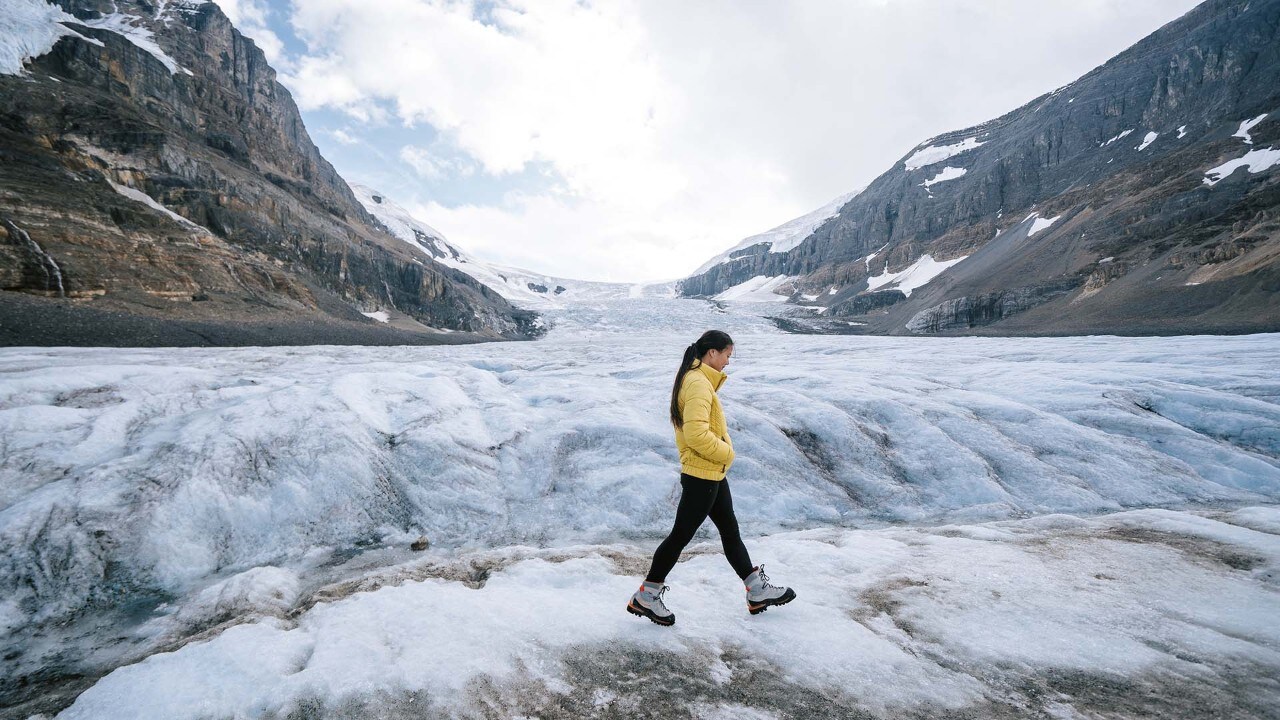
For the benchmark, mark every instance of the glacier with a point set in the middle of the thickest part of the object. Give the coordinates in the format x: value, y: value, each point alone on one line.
x: 991, y: 525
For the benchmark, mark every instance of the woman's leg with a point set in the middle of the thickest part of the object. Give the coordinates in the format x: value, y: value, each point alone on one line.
x: 696, y: 498
x: 727, y: 523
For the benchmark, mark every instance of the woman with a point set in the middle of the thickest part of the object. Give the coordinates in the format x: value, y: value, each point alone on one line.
x: 706, y: 452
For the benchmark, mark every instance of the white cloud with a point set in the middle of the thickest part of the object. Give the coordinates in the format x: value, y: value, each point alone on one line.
x: 428, y: 163
x: 344, y: 137
x: 677, y: 128
x: 561, y: 235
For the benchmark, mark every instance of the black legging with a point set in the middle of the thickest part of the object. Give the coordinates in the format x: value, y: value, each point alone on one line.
x: 698, y: 499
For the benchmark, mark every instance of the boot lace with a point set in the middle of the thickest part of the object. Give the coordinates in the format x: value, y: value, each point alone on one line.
x: 764, y: 580
x: 657, y: 600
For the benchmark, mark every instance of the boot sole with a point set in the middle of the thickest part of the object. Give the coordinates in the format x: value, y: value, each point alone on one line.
x: 646, y: 612
x: 757, y: 608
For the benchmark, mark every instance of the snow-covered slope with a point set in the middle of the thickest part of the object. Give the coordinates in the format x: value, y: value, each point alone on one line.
x: 523, y: 287
x: 786, y: 236
x: 29, y: 28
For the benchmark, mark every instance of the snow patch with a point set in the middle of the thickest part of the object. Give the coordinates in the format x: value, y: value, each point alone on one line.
x: 937, y: 153
x: 758, y: 289
x: 133, y: 29
x: 379, y: 315
x: 1182, y: 131
x: 1256, y: 160
x: 1041, y: 224
x: 1246, y: 126
x: 867, y: 260
x: 1146, y: 141
x: 947, y: 173
x: 913, y: 276
x: 1121, y: 136
x: 145, y: 199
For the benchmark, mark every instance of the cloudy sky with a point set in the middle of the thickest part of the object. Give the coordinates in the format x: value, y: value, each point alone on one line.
x: 631, y: 140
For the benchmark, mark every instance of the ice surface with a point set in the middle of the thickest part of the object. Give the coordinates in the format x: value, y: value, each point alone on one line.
x: 1246, y: 126
x: 937, y: 153
x: 887, y: 622
x: 1257, y: 161
x: 913, y: 276
x: 250, y: 510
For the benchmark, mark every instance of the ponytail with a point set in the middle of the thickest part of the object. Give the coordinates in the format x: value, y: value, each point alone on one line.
x: 710, y: 340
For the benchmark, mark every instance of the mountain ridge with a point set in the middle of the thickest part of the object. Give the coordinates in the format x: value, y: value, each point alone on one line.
x: 153, y: 157
x: 1120, y: 156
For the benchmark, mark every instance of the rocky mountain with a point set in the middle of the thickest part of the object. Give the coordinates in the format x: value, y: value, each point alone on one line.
x: 158, y: 186
x: 1142, y: 198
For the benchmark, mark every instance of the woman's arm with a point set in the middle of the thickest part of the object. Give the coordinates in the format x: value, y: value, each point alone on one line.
x: 697, y: 425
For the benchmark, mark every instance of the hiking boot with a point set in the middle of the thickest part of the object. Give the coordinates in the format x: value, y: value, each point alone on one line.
x: 761, y: 593
x: 647, y: 602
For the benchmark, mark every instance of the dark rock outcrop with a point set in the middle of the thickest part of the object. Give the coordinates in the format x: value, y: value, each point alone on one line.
x: 1120, y: 159
x: 195, y: 195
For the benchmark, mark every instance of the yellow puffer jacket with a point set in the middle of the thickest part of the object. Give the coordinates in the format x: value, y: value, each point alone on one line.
x: 705, y: 448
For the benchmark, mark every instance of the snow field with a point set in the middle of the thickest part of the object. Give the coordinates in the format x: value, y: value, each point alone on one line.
x: 931, y: 620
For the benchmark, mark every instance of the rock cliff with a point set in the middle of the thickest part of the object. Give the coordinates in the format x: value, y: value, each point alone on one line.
x: 158, y: 186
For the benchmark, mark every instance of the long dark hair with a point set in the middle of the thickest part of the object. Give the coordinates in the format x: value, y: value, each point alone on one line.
x: 710, y: 340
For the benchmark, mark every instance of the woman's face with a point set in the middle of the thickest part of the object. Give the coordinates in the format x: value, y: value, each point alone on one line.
x: 718, y: 358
